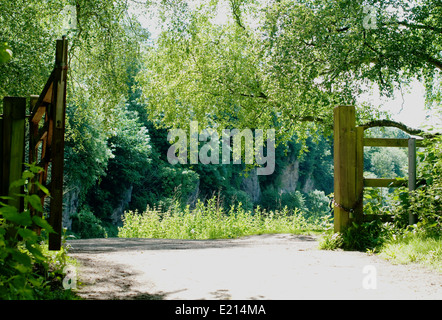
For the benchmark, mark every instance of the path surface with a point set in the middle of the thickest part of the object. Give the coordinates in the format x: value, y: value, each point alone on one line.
x: 285, y: 267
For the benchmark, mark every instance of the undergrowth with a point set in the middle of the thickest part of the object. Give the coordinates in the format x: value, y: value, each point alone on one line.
x: 208, y: 220
x: 28, y: 270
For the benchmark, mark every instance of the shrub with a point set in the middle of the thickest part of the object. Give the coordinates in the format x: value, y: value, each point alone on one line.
x: 271, y: 199
x: 317, y: 203
x: 426, y: 201
x: 331, y: 241
x: 233, y: 197
x: 368, y: 235
x: 209, y: 220
x: 27, y: 269
x: 86, y: 225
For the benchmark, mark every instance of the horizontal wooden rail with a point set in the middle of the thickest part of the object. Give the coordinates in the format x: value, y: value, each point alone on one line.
x: 386, y: 142
x: 43, y: 100
x: 384, y: 183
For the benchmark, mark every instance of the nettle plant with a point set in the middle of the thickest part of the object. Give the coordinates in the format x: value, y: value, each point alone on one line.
x: 24, y: 265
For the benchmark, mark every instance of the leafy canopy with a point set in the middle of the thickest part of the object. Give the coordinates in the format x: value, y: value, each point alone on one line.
x: 284, y: 62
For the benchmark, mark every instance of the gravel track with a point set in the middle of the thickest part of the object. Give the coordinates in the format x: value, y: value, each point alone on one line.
x: 282, y: 266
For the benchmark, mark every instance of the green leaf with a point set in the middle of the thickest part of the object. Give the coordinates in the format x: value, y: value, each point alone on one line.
x: 11, y: 214
x: 35, y: 252
x: 35, y: 202
x: 28, y: 175
x: 36, y: 282
x: 21, y: 268
x: 22, y: 258
x: 28, y: 235
x: 42, y: 187
x: 18, y: 183
x: 33, y: 168
x: 5, y: 53
x: 43, y: 224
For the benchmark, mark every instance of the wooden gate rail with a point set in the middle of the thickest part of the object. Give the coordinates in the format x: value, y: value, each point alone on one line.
x: 46, y: 142
x: 349, y: 181
x: 50, y: 107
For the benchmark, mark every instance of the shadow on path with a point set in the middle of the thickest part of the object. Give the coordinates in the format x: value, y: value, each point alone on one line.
x: 130, y: 244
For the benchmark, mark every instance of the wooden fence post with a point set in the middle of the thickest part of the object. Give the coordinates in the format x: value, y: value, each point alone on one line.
x: 345, y: 161
x: 411, y: 174
x: 58, y: 111
x: 359, y: 192
x: 13, y: 145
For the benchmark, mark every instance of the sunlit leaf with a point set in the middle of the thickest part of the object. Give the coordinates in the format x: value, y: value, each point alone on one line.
x: 42, y: 223
x: 35, y: 202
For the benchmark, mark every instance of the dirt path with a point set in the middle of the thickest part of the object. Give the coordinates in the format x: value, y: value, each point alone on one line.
x: 285, y: 267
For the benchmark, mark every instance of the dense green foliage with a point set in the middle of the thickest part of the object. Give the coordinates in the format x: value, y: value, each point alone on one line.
x: 27, y: 269
x: 426, y: 201
x: 294, y: 59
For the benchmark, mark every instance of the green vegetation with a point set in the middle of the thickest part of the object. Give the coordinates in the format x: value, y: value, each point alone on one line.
x: 210, y: 221
x: 27, y: 269
x: 415, y: 248
x: 396, y: 240
x: 279, y: 64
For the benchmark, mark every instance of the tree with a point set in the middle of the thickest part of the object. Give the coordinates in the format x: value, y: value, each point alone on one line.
x: 285, y: 62
x: 101, y: 47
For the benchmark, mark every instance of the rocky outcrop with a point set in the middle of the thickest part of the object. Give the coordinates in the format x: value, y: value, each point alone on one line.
x: 70, y: 205
x: 193, y: 196
x: 251, y: 186
x: 118, y: 212
x: 309, y: 184
x: 289, y: 177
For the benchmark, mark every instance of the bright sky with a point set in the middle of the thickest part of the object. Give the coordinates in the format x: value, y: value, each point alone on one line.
x: 407, y: 107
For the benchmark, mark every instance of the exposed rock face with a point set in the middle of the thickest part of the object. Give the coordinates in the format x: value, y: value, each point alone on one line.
x: 309, y: 184
x: 70, y: 206
x: 193, y: 196
x: 251, y: 186
x: 289, y: 177
x: 119, y: 211
x: 288, y: 182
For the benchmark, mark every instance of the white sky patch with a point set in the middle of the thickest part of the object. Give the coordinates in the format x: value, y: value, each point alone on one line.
x: 407, y: 107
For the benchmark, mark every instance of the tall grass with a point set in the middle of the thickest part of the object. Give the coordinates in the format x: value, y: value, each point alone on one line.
x: 209, y: 220
x: 415, y: 249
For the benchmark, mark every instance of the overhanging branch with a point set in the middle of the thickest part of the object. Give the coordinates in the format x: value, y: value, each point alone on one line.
x: 398, y: 125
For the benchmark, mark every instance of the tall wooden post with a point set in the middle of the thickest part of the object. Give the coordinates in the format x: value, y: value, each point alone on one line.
x: 58, y: 115
x: 344, y: 166
x: 359, y: 205
x: 411, y: 174
x: 13, y: 147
